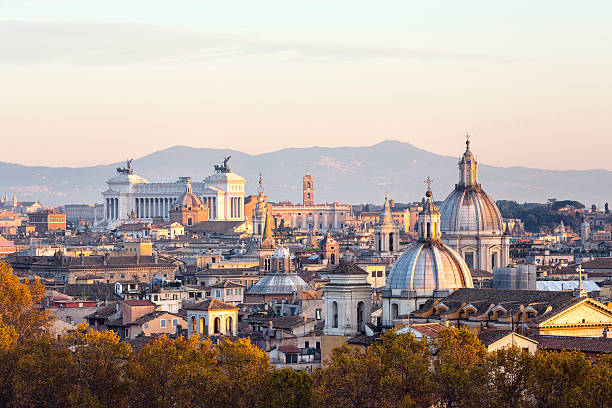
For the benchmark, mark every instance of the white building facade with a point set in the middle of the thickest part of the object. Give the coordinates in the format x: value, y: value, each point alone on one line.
x: 130, y: 197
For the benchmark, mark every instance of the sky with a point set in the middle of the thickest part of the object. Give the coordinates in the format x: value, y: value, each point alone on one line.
x: 87, y: 82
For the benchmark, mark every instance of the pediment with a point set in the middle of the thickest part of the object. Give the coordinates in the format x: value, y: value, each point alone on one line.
x: 588, y: 311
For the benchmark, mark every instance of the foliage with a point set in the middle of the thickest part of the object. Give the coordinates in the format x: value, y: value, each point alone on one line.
x: 88, y: 368
x: 537, y: 216
x: 20, y: 316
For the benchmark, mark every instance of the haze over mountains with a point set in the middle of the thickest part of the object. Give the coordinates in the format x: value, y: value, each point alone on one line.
x: 346, y: 174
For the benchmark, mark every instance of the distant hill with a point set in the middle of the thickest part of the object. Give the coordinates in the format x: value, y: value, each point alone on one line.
x: 347, y: 174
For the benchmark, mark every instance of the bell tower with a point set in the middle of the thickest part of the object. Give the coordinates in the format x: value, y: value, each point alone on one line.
x: 308, y: 189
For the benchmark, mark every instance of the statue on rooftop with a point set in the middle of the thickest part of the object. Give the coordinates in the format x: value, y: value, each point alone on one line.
x: 126, y: 170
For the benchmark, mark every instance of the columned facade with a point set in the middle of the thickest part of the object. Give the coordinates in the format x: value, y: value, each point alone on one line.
x: 131, y: 197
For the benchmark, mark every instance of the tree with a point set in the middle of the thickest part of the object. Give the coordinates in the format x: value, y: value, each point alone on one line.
x: 182, y: 372
x: 288, y: 388
x: 509, y: 377
x: 42, y: 374
x: 405, y: 379
x: 348, y: 380
x: 20, y: 316
x: 597, y: 388
x: 458, y: 368
x: 559, y: 378
x: 99, y: 359
x: 245, y: 370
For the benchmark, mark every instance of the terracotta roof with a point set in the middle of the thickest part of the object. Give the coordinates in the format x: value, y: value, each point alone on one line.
x: 227, y: 284
x: 288, y: 349
x: 103, y: 312
x: 431, y: 330
x: 584, y: 344
x: 139, y: 303
x: 210, y: 304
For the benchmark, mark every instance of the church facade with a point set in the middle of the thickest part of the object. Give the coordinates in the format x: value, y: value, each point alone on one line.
x: 131, y: 197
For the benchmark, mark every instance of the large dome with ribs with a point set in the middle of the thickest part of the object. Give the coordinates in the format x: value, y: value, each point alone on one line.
x: 468, y: 207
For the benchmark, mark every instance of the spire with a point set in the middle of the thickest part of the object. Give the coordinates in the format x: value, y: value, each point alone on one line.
x: 387, y: 218
x: 267, y: 228
x: 468, y: 167
x: 260, y: 189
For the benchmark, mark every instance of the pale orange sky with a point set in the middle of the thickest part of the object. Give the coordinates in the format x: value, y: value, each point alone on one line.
x: 85, y: 84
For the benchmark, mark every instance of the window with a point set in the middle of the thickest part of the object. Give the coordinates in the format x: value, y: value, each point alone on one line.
x: 318, y: 345
x: 306, y: 344
x: 334, y: 314
x: 174, y: 322
x: 127, y: 333
x: 146, y: 325
x: 218, y: 291
x: 373, y: 274
x: 380, y: 274
x: 291, y: 358
x: 318, y: 314
x: 155, y: 298
x: 162, y: 323
x: 228, y: 292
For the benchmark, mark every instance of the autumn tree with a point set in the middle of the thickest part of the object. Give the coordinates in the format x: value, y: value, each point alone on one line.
x: 20, y: 316
x: 288, y: 388
x: 559, y: 379
x: 510, y: 375
x: 346, y: 381
x: 597, y: 389
x: 245, y: 370
x: 99, y: 359
x: 41, y: 374
x: 459, y: 372
x: 182, y: 372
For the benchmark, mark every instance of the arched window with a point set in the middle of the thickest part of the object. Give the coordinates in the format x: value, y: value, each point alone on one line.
x: 428, y: 230
x: 201, y: 328
x: 194, y: 329
x: 360, y: 313
x: 229, y: 326
x: 394, y: 310
x: 334, y: 314
x: 217, y: 326
x: 332, y: 259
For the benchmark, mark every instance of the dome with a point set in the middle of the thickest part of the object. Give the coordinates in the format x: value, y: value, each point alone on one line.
x: 429, y: 266
x: 468, y: 207
x: 188, y: 199
x: 470, y: 210
x: 279, y: 284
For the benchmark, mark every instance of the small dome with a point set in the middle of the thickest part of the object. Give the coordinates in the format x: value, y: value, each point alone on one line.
x: 279, y: 284
x: 188, y: 199
x: 281, y: 252
x: 429, y: 266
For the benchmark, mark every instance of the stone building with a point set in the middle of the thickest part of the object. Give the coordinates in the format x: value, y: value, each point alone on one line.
x: 426, y: 270
x: 471, y: 223
x: 130, y: 196
x: 324, y: 217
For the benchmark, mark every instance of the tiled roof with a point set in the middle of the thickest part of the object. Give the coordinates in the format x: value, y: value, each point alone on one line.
x: 598, y: 263
x: 227, y: 284
x: 104, y: 312
x: 138, y: 303
x: 289, y: 322
x: 488, y: 337
x: 150, y: 316
x: 288, y: 349
x: 95, y: 291
x: 346, y: 268
x: 210, y: 304
x: 431, y: 330
x: 584, y: 344
x: 479, y: 273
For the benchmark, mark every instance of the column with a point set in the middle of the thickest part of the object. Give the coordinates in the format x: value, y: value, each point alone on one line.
x: 335, y: 219
x: 116, y: 208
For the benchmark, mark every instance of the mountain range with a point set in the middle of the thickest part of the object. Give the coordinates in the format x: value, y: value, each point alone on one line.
x: 346, y: 174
